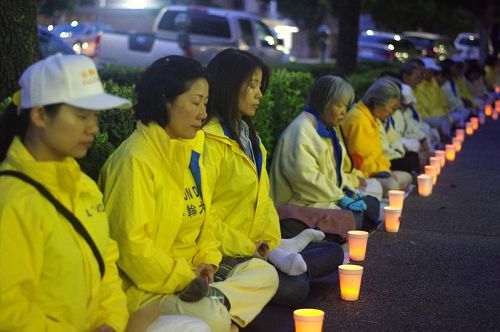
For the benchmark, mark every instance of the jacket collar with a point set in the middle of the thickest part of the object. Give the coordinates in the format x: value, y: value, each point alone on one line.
x: 216, y: 130
x: 63, y: 175
x: 321, y: 129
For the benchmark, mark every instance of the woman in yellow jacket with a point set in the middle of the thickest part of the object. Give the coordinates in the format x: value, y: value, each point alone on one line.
x: 361, y: 127
x: 247, y: 224
x: 56, y: 275
x: 160, y: 207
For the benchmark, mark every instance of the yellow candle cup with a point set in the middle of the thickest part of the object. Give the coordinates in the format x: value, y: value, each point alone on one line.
x: 391, y: 219
x: 350, y: 281
x: 396, y: 198
x: 308, y: 320
x: 357, y: 245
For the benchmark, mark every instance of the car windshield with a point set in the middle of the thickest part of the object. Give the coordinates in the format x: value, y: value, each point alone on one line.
x: 467, y: 41
x: 201, y: 24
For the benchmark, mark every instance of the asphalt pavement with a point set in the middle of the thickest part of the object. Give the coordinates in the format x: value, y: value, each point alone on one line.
x: 441, y: 271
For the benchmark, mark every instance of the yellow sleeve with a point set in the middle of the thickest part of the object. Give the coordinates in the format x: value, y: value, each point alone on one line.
x: 132, y: 209
x: 366, y: 155
x: 21, y: 259
x: 266, y: 211
x: 113, y: 302
x: 234, y: 243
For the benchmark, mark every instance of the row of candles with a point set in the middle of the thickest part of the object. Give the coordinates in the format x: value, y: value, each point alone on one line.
x: 311, y: 320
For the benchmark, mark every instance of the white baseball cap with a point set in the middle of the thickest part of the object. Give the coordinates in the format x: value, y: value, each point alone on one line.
x: 407, y: 96
x: 430, y: 63
x: 68, y: 79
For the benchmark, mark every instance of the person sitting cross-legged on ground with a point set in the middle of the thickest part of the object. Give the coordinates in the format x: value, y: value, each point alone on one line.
x: 361, y: 127
x: 235, y: 159
x: 309, y: 158
x: 159, y: 204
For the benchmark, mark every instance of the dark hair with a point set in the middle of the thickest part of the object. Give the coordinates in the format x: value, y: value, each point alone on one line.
x: 416, y: 61
x: 408, y: 68
x: 161, y: 83
x: 227, y: 72
x: 14, y: 123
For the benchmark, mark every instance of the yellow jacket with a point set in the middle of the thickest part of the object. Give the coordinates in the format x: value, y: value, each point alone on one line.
x: 49, y: 277
x: 431, y: 100
x: 244, y: 210
x: 363, y: 141
x: 143, y: 186
x: 303, y: 171
x: 464, y: 91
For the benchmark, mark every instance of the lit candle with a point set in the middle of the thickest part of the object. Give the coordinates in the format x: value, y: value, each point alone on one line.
x: 487, y: 110
x: 482, y: 118
x: 396, y: 198
x: 350, y: 281
x: 308, y: 320
x: 460, y: 133
x: 468, y: 128
x: 497, y: 88
x: 436, y: 162
x: 424, y: 182
x: 357, y: 245
x: 431, y: 170
x: 497, y: 106
x: 450, y: 152
x: 494, y: 115
x: 475, y: 122
x: 441, y: 154
x: 392, y: 218
x: 457, y: 143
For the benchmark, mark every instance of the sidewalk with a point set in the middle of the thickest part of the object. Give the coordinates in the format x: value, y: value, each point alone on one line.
x: 440, y: 272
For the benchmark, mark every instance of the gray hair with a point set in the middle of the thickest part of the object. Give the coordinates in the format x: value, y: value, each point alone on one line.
x: 327, y: 90
x: 381, y: 93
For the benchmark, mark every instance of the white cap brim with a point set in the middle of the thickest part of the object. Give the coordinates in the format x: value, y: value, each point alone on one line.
x: 99, y: 102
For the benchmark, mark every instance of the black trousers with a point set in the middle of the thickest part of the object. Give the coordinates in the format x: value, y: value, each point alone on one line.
x: 409, y: 163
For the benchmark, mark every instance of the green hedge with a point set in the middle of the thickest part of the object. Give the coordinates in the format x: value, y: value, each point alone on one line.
x: 284, y: 99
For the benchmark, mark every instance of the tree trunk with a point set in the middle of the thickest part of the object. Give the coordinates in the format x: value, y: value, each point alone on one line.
x: 485, y: 29
x: 18, y: 40
x: 348, y: 12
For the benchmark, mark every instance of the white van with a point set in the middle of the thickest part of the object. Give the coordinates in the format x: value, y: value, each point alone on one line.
x: 210, y: 31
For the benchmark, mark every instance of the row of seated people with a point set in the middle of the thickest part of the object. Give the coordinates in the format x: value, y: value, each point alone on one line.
x: 199, y: 236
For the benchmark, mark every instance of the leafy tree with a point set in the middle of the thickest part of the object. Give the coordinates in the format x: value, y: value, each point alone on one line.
x: 18, y: 37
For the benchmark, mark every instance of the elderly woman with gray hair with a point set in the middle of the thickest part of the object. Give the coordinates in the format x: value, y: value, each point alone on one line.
x: 311, y: 166
x: 363, y: 138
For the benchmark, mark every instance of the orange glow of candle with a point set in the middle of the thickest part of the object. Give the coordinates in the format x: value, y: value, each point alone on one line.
x: 308, y: 320
x: 424, y: 182
x: 468, y: 128
x: 497, y: 106
x: 441, y: 154
x: 350, y: 281
x: 487, y: 110
x: 436, y: 162
x: 456, y: 142
x: 392, y: 218
x: 494, y: 115
x: 450, y: 152
x: 460, y: 134
x: 497, y: 88
x: 431, y: 170
x: 396, y: 198
x: 357, y: 245
x: 475, y: 122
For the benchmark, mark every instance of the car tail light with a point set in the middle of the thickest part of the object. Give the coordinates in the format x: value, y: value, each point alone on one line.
x: 97, y: 44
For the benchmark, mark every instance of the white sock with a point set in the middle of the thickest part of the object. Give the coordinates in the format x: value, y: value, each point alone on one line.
x: 288, y: 262
x: 298, y: 243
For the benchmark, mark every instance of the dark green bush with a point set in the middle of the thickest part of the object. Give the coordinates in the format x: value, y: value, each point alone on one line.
x: 283, y: 101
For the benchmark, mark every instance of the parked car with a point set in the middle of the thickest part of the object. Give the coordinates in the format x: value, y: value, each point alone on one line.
x: 467, y: 43
x: 430, y: 44
x: 210, y: 30
x: 49, y: 43
x: 83, y: 37
x: 384, y: 46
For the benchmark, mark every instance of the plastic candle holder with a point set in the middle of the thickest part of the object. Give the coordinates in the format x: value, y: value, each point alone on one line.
x: 350, y: 281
